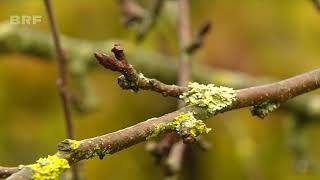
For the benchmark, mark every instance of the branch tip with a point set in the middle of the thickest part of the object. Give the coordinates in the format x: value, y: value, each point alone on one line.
x: 118, y: 52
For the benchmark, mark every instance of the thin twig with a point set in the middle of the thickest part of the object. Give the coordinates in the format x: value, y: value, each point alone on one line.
x: 175, y: 157
x: 197, y: 41
x: 62, y: 79
x: 133, y: 80
x: 131, y: 12
x: 150, y: 19
x: 184, y: 32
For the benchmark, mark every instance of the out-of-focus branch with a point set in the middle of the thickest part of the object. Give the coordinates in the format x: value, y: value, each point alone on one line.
x: 117, y: 141
x: 174, y: 160
x: 62, y: 79
x: 197, y: 41
x: 317, y: 4
x: 134, y: 13
x: 16, y: 39
x: 131, y: 11
x: 150, y: 19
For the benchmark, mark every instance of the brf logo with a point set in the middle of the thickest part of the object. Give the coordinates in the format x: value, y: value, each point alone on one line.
x: 26, y: 19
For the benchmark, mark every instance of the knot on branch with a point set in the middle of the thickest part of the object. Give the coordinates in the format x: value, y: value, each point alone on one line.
x: 68, y: 145
x: 264, y: 109
x: 130, y: 78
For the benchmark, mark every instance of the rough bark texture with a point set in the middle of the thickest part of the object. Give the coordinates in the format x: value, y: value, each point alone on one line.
x: 117, y: 141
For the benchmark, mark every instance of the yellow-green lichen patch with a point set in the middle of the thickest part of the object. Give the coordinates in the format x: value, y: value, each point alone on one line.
x: 209, y: 96
x: 74, y: 144
x: 187, y: 122
x: 49, y: 168
x: 264, y: 109
x: 183, y: 124
x: 96, y: 150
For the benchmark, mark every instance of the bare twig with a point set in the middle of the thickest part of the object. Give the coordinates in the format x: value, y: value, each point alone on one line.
x: 131, y: 11
x: 62, y: 80
x: 117, y: 141
x: 131, y: 79
x: 174, y: 160
x: 150, y: 19
x: 198, y: 39
x: 175, y: 156
x: 184, y: 32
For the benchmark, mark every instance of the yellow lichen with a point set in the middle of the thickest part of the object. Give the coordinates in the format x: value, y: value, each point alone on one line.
x: 49, y: 168
x: 74, y: 144
x: 183, y: 123
x: 209, y: 96
x: 186, y: 121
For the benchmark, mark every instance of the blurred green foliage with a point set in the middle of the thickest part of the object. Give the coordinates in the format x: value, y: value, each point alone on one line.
x: 276, y: 38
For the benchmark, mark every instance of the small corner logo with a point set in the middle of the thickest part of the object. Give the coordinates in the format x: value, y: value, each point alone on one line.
x: 25, y: 19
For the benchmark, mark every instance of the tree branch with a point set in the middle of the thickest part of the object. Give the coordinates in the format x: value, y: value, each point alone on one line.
x: 7, y: 171
x: 62, y: 79
x: 173, y: 161
x: 131, y: 79
x: 36, y: 43
x: 197, y: 41
x: 117, y: 141
x: 150, y: 19
x: 131, y: 11
x: 316, y: 4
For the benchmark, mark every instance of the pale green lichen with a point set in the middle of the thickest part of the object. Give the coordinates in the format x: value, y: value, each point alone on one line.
x: 262, y: 110
x: 209, y: 96
x: 186, y: 121
x: 49, y: 168
x: 183, y: 124
x: 74, y: 144
x: 96, y: 151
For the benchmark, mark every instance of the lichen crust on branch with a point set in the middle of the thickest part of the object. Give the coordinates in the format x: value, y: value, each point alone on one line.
x: 209, y: 96
x: 49, y: 168
x: 185, y: 124
x: 68, y: 145
x: 264, y: 109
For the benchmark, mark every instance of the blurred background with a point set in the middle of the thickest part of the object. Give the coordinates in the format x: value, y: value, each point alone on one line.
x: 270, y: 38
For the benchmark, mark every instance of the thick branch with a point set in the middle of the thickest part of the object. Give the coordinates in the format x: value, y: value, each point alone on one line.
x: 117, y: 141
x: 275, y: 92
x: 279, y: 91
